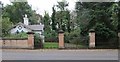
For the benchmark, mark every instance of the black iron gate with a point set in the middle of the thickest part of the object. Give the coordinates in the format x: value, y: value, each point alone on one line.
x: 107, y: 43
x: 77, y: 43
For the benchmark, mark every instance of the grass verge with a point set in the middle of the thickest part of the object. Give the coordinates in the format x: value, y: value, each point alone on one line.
x: 50, y: 45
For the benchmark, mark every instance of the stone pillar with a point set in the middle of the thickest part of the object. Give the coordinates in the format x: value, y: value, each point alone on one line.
x: 61, y: 39
x: 31, y: 40
x: 92, y: 38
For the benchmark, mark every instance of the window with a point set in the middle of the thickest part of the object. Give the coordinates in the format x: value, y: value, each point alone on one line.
x: 17, y: 31
x: 19, y: 27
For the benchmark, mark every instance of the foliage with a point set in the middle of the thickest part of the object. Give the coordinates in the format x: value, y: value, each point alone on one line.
x: 74, y: 37
x: 59, y: 20
x: 17, y: 36
x: 49, y: 33
x: 105, y: 37
x: 6, y: 25
x: 53, y: 19
x: 34, y: 18
x: 47, y: 21
x: 17, y: 10
x: 63, y: 16
x: 104, y: 32
x: 119, y: 16
x: 63, y: 20
x: 14, y: 13
x: 103, y: 17
x: 62, y: 5
x: 98, y: 13
x: 38, y: 41
x: 51, y: 36
x: 1, y: 28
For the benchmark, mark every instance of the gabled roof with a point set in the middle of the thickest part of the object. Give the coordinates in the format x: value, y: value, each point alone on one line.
x: 36, y: 27
x: 31, y: 27
x: 20, y: 24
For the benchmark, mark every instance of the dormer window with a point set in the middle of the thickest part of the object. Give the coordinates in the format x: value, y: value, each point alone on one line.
x: 19, y: 27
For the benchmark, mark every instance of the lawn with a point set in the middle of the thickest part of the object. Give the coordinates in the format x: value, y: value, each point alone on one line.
x: 49, y: 45
x: 54, y: 45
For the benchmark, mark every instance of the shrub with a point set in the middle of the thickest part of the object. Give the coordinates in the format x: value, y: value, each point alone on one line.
x: 105, y: 37
x: 51, y: 36
x: 51, y: 39
x: 38, y: 41
x: 75, y: 37
x: 19, y: 35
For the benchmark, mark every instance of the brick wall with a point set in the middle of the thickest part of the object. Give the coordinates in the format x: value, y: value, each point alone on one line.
x: 14, y: 43
x: 18, y: 43
x: 61, y: 40
x: 92, y: 40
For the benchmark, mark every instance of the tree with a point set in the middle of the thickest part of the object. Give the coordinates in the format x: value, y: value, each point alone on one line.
x: 97, y: 12
x: 119, y: 16
x: 63, y: 16
x: 68, y: 21
x: 62, y: 5
x: 99, y: 16
x: 47, y: 21
x: 50, y: 27
x: 53, y: 19
x: 34, y: 18
x: 17, y: 10
x: 6, y: 25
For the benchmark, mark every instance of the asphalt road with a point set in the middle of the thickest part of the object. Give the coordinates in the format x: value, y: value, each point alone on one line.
x: 60, y: 54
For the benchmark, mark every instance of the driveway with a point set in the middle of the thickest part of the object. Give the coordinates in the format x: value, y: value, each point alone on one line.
x: 82, y: 54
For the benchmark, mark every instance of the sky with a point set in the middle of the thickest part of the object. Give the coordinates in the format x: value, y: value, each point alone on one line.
x: 44, y: 5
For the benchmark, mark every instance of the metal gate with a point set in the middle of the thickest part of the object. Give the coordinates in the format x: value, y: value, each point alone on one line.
x: 77, y: 43
x: 107, y: 43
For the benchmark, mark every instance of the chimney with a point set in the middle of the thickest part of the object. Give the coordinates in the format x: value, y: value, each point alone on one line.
x: 26, y: 20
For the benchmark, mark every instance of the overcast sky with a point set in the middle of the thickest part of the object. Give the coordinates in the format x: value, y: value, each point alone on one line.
x: 44, y: 5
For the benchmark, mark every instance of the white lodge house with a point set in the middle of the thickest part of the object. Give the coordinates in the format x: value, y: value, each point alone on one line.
x: 25, y: 27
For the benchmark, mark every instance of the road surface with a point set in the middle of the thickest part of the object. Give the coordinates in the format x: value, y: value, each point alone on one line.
x: 60, y: 54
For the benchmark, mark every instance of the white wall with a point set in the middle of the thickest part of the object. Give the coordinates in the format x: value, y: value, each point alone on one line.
x: 14, y: 30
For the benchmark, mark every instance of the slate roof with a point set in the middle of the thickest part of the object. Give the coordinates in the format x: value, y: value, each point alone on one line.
x: 31, y: 27
x: 36, y: 27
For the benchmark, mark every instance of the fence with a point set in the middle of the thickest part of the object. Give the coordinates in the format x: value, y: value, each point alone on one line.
x: 81, y: 43
x: 77, y: 43
x: 107, y: 43
x: 94, y: 42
